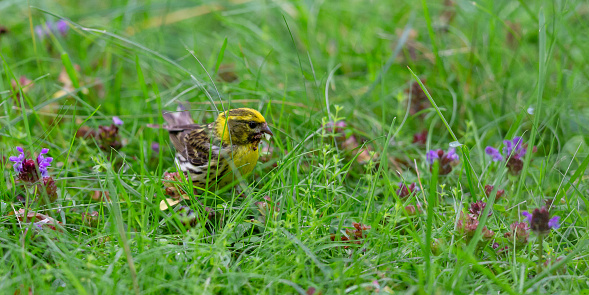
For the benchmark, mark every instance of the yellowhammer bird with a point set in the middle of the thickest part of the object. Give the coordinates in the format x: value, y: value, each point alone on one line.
x: 211, y: 154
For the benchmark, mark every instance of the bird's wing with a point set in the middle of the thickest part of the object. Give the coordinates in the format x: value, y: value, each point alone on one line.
x: 200, y: 154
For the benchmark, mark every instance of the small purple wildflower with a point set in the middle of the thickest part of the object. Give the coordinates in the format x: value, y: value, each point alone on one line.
x: 447, y: 159
x: 62, y: 27
x: 514, y: 148
x: 155, y: 146
x: 117, y: 121
x: 528, y: 216
x: 540, y: 221
x: 50, y: 27
x: 18, y: 161
x: 513, y: 152
x: 477, y: 208
x: 44, y: 162
x: 493, y: 152
x: 431, y: 156
x: 554, y: 223
x: 29, y: 171
x: 452, y: 155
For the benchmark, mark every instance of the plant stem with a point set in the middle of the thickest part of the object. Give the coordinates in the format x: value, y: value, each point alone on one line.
x: 541, y: 248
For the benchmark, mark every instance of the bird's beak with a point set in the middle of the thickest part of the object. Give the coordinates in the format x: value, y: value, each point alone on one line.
x: 267, y: 130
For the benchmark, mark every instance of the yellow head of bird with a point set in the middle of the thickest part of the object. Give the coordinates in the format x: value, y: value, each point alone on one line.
x: 241, y: 126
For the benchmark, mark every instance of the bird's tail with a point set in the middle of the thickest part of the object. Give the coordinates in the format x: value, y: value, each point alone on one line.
x: 176, y: 120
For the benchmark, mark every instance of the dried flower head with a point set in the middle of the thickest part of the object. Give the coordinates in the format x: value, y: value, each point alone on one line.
x: 540, y: 221
x: 447, y: 159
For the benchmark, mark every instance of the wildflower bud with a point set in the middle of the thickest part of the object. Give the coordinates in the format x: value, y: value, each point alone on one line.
x: 411, y: 211
x: 467, y: 225
x: 117, y: 121
x: 489, y: 189
x: 447, y: 160
x: 515, y: 166
x: 50, y: 27
x: 155, y: 147
x: 520, y: 231
x: 405, y: 191
x: 50, y: 188
x: 108, y: 137
x: 420, y: 138
x: 488, y: 234
x: 513, y: 152
x: 100, y: 196
x: 86, y: 132
x: 477, y: 208
x: 540, y: 221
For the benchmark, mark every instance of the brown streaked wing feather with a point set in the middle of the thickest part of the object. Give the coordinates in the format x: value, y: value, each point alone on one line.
x: 198, y: 143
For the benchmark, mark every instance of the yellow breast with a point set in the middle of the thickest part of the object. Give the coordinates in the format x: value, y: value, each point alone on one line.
x: 244, y: 158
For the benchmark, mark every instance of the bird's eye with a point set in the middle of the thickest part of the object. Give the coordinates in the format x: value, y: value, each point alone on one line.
x: 252, y: 124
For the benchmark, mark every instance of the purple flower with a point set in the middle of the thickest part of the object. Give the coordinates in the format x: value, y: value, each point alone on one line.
x: 540, y: 221
x: 44, y: 162
x: 528, y: 216
x: 514, y: 148
x: 155, y: 146
x: 117, y: 121
x: 452, y: 155
x: 62, y: 27
x: 513, y: 151
x: 493, y: 152
x: 50, y: 27
x: 447, y: 159
x: 431, y: 156
x: 18, y: 161
x: 27, y: 168
x: 553, y: 223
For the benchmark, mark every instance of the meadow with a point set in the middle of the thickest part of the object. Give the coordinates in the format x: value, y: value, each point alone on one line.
x: 420, y: 147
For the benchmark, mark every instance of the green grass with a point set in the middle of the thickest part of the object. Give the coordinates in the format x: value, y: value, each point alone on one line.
x: 492, y: 70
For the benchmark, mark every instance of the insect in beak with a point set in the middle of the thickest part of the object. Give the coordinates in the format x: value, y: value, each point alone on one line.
x: 266, y: 130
